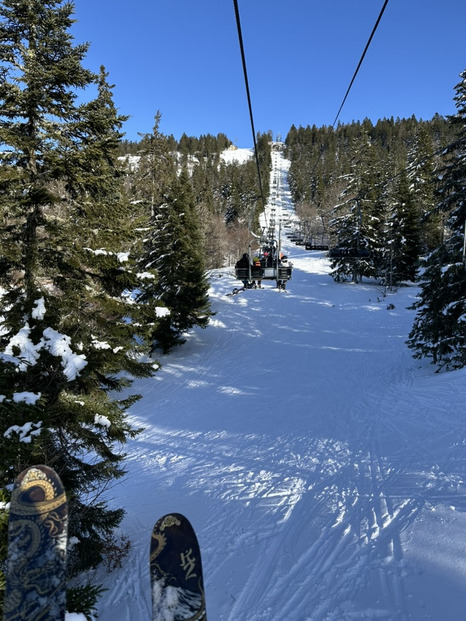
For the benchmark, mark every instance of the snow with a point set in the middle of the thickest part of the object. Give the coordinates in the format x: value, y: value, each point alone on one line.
x: 99, y: 419
x: 96, y: 344
x: 25, y: 432
x: 39, y: 309
x: 26, y: 397
x: 233, y: 154
x: 174, y: 603
x: 321, y: 466
x: 122, y: 257
x: 240, y: 156
x: 146, y: 276
x: 57, y: 344
x: 162, y: 311
x: 28, y: 352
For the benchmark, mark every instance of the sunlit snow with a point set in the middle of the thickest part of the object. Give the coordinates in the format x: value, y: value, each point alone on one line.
x: 320, y: 464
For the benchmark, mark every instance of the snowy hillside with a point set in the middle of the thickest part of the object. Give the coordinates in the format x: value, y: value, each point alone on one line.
x: 240, y: 156
x: 228, y: 156
x: 321, y: 466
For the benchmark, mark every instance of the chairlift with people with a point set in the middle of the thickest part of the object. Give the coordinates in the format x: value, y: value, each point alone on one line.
x: 267, y: 264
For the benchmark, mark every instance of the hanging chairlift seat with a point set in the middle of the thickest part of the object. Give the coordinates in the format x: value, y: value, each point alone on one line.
x: 362, y: 253
x: 310, y: 246
x: 267, y: 270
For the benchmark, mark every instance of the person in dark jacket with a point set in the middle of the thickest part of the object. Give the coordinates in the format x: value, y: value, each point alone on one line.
x: 244, y: 261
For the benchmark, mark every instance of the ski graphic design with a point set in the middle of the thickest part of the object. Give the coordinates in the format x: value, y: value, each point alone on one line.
x: 37, y: 539
x: 177, y: 586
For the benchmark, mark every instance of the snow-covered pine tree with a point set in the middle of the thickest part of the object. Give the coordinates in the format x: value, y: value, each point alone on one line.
x: 439, y: 329
x: 177, y: 254
x: 155, y: 170
x: 148, y: 185
x: 213, y: 230
x: 404, y: 232
x: 421, y: 174
x: 68, y: 328
x: 359, y: 222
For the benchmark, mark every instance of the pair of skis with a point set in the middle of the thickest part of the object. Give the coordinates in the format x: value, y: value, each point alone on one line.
x: 36, y: 562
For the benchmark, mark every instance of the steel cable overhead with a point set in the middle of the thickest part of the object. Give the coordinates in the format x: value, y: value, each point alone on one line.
x: 353, y: 78
x: 360, y: 61
x: 246, y: 81
x: 243, y: 59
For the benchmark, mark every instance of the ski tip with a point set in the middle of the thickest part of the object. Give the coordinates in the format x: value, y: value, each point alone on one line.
x: 38, y: 472
x: 37, y: 541
x: 176, y: 570
x: 174, y: 531
x: 171, y: 520
x: 38, y: 489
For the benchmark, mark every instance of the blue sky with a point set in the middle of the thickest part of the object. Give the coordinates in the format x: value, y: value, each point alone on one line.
x: 182, y: 57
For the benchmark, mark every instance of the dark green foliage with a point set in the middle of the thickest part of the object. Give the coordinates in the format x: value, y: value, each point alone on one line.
x: 226, y: 195
x: 4, y: 497
x: 155, y: 171
x: 379, y: 198
x: 423, y: 179
x: 359, y: 225
x: 82, y: 600
x: 174, y: 248
x: 439, y: 330
x: 70, y: 339
x: 206, y: 146
x: 322, y: 158
x: 404, y: 240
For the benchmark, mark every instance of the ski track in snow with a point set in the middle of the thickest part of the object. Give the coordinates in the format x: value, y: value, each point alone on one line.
x: 321, y: 466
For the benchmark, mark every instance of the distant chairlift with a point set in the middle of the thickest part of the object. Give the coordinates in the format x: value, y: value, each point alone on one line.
x: 311, y: 246
x: 339, y: 252
x: 269, y: 266
x: 252, y: 275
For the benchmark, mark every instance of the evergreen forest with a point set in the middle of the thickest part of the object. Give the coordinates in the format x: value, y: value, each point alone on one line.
x: 106, y: 246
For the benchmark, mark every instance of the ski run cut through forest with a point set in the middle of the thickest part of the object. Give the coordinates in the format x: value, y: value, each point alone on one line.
x: 321, y: 466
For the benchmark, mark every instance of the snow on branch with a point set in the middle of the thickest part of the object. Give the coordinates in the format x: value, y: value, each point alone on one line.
x: 22, y: 349
x: 25, y: 432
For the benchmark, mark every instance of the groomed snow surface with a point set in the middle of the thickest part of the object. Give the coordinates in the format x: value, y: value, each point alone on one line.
x: 320, y: 464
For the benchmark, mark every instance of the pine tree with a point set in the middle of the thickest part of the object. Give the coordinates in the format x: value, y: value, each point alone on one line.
x: 404, y: 235
x: 155, y: 171
x: 359, y: 224
x: 177, y: 255
x: 68, y: 327
x: 422, y: 178
x: 212, y: 225
x: 149, y: 184
x: 439, y: 330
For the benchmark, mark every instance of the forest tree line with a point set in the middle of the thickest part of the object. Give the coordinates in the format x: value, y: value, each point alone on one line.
x: 226, y: 194
x: 105, y: 247
x: 390, y: 200
x: 374, y: 162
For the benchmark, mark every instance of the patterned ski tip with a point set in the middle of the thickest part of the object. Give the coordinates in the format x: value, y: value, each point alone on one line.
x: 177, y: 586
x: 37, y: 539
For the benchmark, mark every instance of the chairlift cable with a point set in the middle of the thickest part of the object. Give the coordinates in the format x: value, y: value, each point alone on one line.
x: 354, y: 76
x: 246, y: 81
x: 360, y: 61
x: 246, y: 273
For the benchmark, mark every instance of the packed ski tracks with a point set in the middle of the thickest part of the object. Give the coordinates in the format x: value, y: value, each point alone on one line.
x: 309, y: 451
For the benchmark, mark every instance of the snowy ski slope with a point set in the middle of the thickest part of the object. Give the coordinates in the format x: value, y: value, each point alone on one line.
x: 320, y: 464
